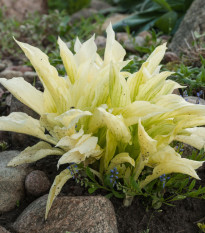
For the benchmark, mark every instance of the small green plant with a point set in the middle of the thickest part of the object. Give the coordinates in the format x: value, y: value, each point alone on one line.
x: 112, y: 127
x: 71, y: 6
x: 3, y: 145
x: 201, y: 227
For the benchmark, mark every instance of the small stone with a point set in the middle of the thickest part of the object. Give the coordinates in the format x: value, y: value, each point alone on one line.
x: 122, y: 36
x: 37, y: 183
x: 176, y: 92
x: 99, y: 5
x: 84, y: 13
x: 194, y: 100
x: 100, y: 41
x: 11, y: 181
x: 9, y: 74
x: 131, y: 43
x: 93, y: 214
x: 2, y: 66
x: 3, y: 230
x: 113, y: 19
x: 22, y: 69
x: 145, y: 34
x: 30, y: 76
x: 170, y: 57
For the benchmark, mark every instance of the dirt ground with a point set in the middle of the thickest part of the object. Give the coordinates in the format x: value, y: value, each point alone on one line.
x: 182, y: 218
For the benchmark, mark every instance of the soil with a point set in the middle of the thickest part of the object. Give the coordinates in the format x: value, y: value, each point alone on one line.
x: 182, y: 218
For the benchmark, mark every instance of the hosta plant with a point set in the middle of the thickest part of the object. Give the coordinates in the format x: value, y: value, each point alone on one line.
x: 103, y: 120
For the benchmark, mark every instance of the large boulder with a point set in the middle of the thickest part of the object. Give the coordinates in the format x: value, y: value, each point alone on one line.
x: 11, y: 181
x: 94, y: 214
x: 194, y: 21
x: 19, y: 9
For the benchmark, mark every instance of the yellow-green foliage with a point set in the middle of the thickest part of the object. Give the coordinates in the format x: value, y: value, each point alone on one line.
x: 98, y: 112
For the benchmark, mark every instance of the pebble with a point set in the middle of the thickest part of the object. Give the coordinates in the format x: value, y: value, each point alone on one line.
x: 37, y: 183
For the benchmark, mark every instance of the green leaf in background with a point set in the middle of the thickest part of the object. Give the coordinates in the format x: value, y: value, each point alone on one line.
x: 167, y: 22
x: 163, y: 4
x: 165, y: 15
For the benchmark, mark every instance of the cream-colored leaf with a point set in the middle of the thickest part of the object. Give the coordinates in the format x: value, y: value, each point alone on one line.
x: 110, y: 148
x: 68, y: 60
x: 196, y: 137
x: 121, y: 159
x: 151, y: 88
x: 20, y: 122
x: 167, y: 161
x: 148, y: 146
x: 86, y: 52
x: 25, y: 93
x: 57, y: 86
x: 58, y: 183
x: 71, y: 117
x: 116, y: 125
x: 86, y: 147
x: 34, y: 153
x: 113, y: 50
x: 155, y: 58
x: 118, y: 89
x: 140, y: 109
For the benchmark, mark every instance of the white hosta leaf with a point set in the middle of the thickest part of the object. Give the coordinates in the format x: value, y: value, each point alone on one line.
x: 118, y: 89
x: 151, y: 88
x: 113, y: 50
x: 34, y: 153
x: 25, y: 93
x: 20, y: 122
x: 71, y: 117
x: 57, y: 86
x: 68, y: 60
x: 86, y: 147
x: 196, y: 137
x: 136, y: 80
x: 140, y: 109
x: 116, y: 125
x: 69, y: 142
x: 148, y: 146
x: 85, y: 52
x: 110, y: 148
x: 155, y: 58
x: 121, y: 159
x: 167, y: 161
x: 58, y: 183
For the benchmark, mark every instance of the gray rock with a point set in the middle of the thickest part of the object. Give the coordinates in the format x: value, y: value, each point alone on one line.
x: 20, y: 9
x: 11, y: 181
x: 94, y: 214
x: 192, y: 22
x: 37, y: 183
x: 30, y: 76
x: 8, y: 74
x: 113, y: 19
x: 100, y: 41
x: 84, y: 13
x: 99, y: 5
x: 2, y: 66
x: 145, y: 34
x: 131, y: 43
x: 170, y: 57
x: 194, y: 100
x: 3, y: 230
x: 122, y: 36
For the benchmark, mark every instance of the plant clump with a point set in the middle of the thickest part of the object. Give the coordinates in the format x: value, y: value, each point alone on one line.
x: 117, y: 127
